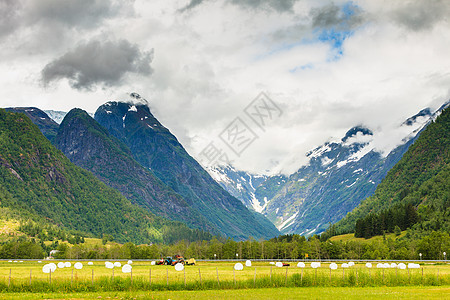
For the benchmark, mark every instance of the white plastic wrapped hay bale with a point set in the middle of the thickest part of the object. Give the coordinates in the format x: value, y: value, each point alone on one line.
x: 126, y: 268
x: 78, y: 266
x: 179, y: 267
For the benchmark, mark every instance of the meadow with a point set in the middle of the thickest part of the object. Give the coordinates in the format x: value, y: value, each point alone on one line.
x: 405, y: 292
x: 27, y: 277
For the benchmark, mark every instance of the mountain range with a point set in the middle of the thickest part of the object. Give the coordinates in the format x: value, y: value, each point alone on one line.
x: 125, y: 147
x: 38, y: 183
x: 154, y: 147
x: 339, y: 175
x: 421, y: 179
x: 129, y: 150
x: 91, y: 147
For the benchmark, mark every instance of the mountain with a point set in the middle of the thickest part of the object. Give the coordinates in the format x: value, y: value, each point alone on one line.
x: 56, y: 115
x: 47, y: 126
x: 339, y: 175
x: 253, y: 190
x: 421, y: 179
x: 37, y: 180
x: 91, y: 147
x: 155, y: 148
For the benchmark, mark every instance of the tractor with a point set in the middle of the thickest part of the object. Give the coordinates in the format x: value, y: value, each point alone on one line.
x: 173, y: 261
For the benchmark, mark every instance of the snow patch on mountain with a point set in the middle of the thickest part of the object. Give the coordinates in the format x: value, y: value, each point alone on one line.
x: 326, y: 161
x: 288, y: 222
x: 256, y: 205
x: 319, y: 151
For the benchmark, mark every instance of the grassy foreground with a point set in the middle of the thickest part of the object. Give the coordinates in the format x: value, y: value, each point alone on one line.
x: 202, y: 280
x: 425, y: 292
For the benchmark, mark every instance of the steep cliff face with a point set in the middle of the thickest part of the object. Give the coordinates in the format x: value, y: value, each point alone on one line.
x: 155, y: 148
x: 91, y: 147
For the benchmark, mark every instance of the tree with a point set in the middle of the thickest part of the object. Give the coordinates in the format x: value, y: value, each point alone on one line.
x: 397, y: 230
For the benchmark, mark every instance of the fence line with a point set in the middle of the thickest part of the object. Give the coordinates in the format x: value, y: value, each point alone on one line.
x: 242, y: 259
x: 354, y: 276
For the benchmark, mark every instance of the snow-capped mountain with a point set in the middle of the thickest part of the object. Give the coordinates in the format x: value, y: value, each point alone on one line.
x: 243, y: 185
x: 56, y: 115
x: 338, y: 176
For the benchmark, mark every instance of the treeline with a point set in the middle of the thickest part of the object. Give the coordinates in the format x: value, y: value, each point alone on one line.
x: 395, y: 219
x: 294, y: 246
x: 41, y: 233
x: 283, y: 247
x: 22, y: 248
x: 50, y: 233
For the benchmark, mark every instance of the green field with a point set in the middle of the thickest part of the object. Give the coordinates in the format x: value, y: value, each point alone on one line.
x: 163, y: 282
x: 351, y: 237
x: 426, y: 292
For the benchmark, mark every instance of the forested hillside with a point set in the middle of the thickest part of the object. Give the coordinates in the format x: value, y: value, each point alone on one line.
x: 420, y: 180
x: 36, y: 179
x: 157, y: 149
x: 90, y: 146
x: 47, y: 125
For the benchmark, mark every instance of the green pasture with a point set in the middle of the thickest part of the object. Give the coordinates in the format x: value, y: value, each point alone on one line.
x: 409, y: 292
x: 16, y: 277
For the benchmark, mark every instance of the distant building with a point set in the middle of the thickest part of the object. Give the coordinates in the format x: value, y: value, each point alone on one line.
x: 52, y: 253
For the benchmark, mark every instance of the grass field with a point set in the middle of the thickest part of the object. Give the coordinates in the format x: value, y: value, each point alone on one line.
x: 351, y: 237
x: 426, y: 292
x: 161, y: 281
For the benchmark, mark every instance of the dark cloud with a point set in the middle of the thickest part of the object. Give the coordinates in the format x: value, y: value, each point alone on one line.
x: 55, y: 18
x: 278, y: 5
x: 9, y: 16
x: 422, y: 15
x: 98, y: 63
x: 73, y: 14
x: 331, y: 15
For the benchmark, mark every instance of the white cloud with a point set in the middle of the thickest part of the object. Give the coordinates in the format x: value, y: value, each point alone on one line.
x: 212, y: 60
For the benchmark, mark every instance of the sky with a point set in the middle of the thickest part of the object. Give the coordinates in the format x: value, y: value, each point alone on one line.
x: 309, y: 70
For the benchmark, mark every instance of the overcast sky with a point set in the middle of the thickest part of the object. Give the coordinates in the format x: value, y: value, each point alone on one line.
x: 327, y: 65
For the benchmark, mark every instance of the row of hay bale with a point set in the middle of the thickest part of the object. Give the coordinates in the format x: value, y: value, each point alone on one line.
x: 51, y: 267
x: 126, y: 268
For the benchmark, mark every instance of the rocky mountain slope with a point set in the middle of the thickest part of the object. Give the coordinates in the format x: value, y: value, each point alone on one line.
x: 155, y: 148
x: 420, y: 178
x: 339, y: 175
x: 91, y: 147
